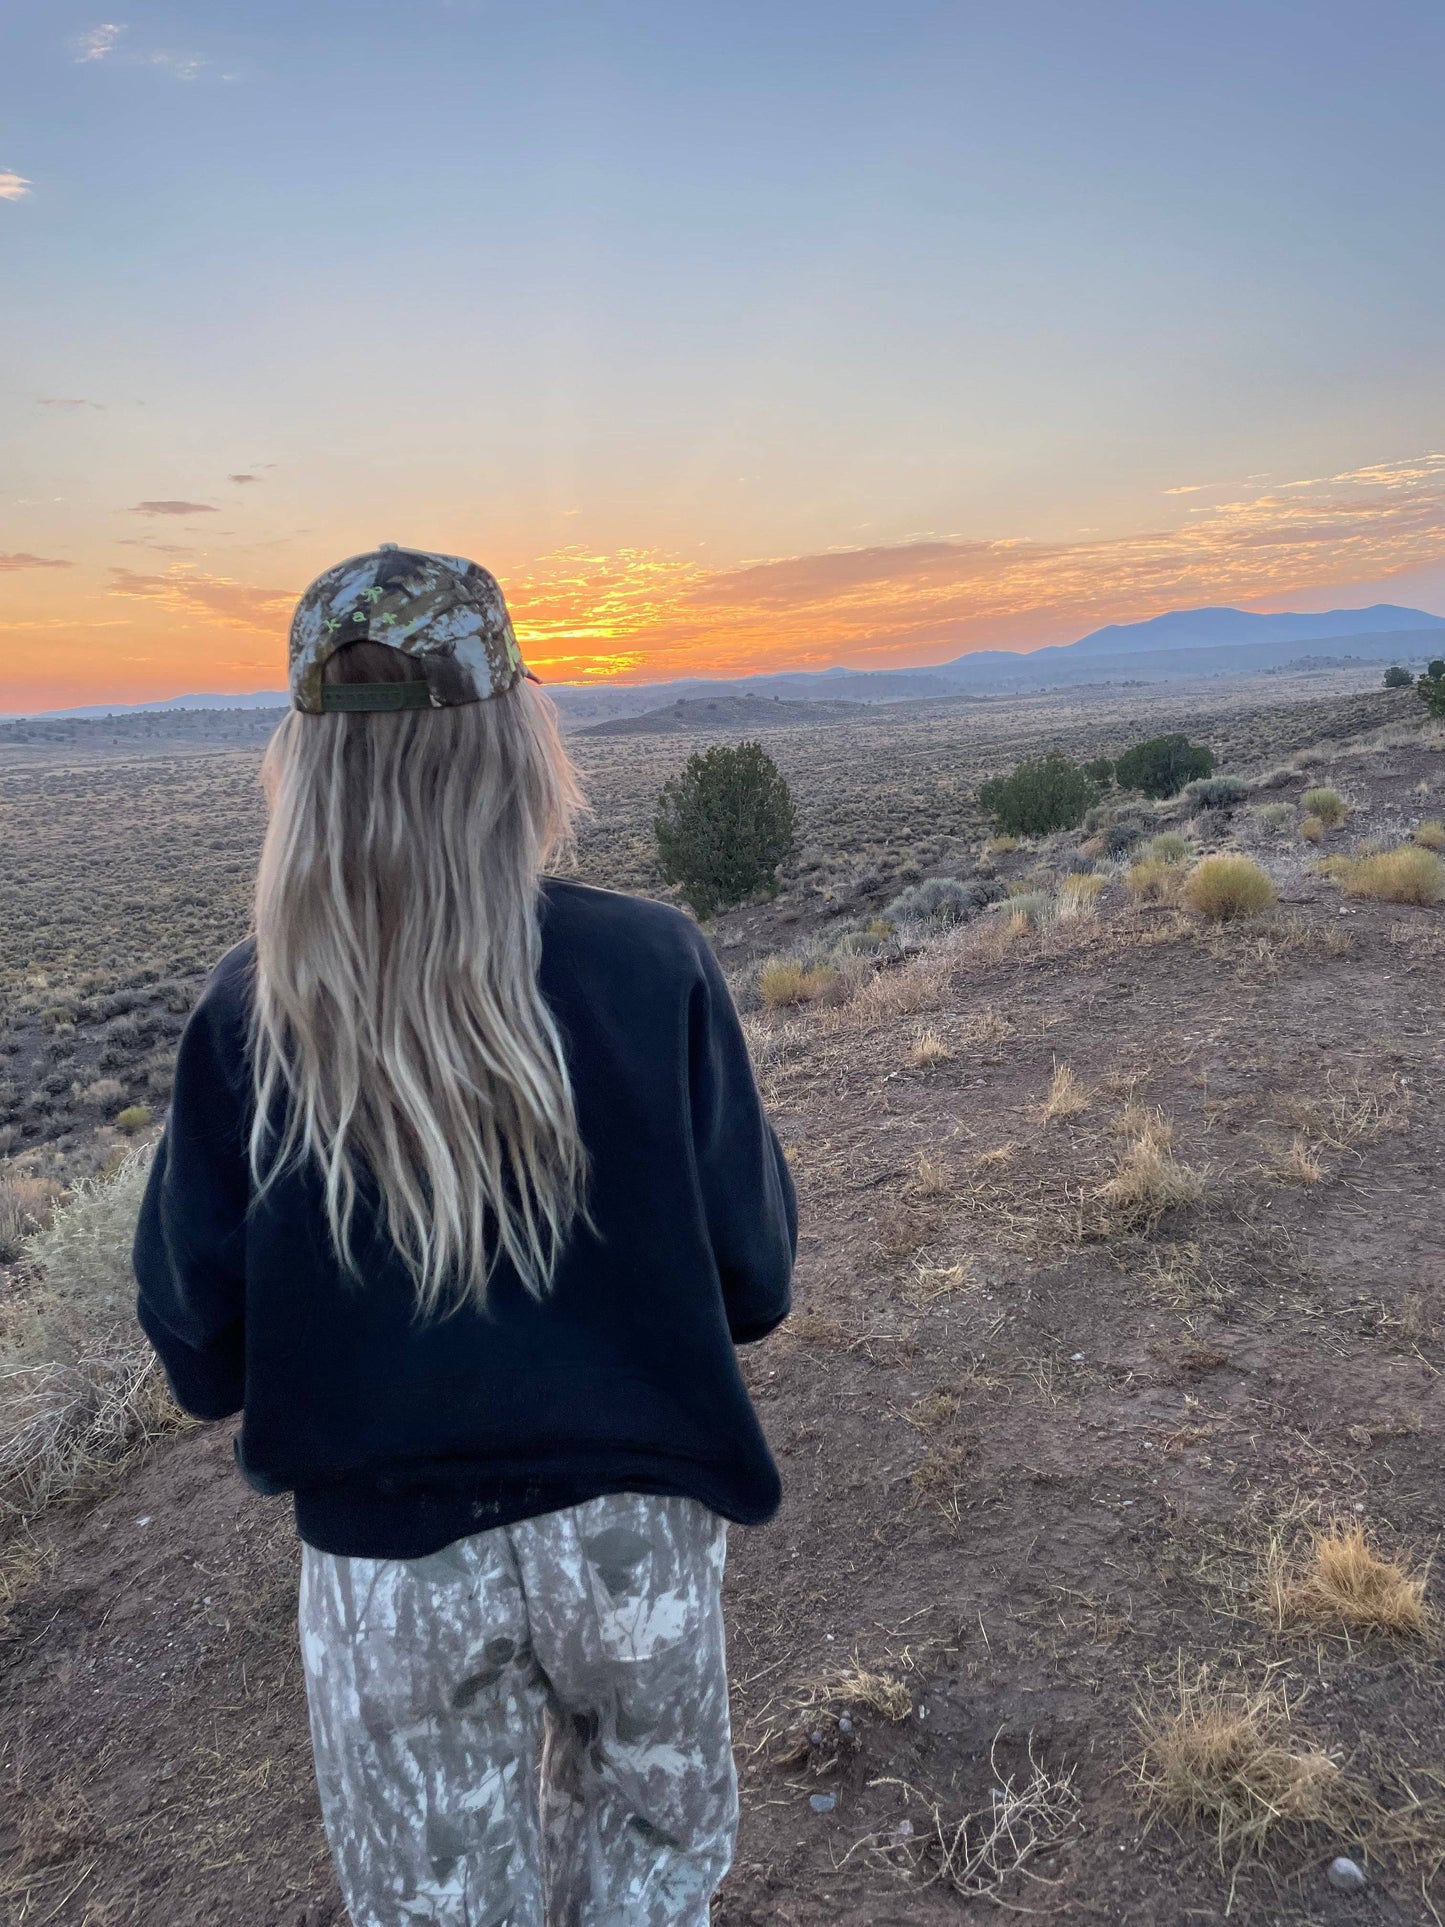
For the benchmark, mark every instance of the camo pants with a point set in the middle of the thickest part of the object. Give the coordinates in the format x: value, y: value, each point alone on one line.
x: 530, y: 1726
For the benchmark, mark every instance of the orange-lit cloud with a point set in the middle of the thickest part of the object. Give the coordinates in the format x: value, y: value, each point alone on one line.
x: 13, y: 187
x: 173, y: 508
x: 19, y: 559
x: 188, y: 592
x: 644, y: 615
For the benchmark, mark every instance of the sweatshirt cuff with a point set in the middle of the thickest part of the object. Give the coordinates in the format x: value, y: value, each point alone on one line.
x: 209, y: 1384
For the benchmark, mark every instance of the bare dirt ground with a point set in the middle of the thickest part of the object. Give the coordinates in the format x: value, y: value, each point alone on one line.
x: 1038, y: 1449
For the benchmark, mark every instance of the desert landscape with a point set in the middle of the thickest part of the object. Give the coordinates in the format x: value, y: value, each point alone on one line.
x: 1109, y: 1413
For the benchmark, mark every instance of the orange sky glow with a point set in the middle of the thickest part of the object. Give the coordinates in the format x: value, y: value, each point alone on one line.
x: 73, y: 633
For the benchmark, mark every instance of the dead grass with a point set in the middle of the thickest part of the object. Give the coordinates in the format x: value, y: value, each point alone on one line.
x: 985, y: 1853
x: 1150, y: 1181
x: 1430, y: 835
x: 81, y: 1393
x: 1410, y: 874
x: 1228, y: 1757
x: 929, y: 1283
x: 1152, y: 880
x: 1299, y: 1165
x: 1223, y: 888
x: 852, y: 1688
x: 1066, y: 1096
x: 26, y: 1203
x: 786, y: 981
x: 1326, y: 805
x: 928, y: 1049
x: 1338, y: 1580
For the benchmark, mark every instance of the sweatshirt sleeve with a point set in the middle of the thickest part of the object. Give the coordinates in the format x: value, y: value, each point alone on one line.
x: 747, y: 1191
x: 189, y: 1252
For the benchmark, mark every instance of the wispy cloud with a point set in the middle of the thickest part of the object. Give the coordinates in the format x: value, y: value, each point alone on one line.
x: 178, y: 66
x: 19, y: 559
x: 13, y: 187
x: 643, y: 613
x: 103, y: 43
x: 243, y: 478
x: 69, y: 401
x: 173, y: 508
x: 99, y: 43
x: 186, y: 591
x: 1190, y: 488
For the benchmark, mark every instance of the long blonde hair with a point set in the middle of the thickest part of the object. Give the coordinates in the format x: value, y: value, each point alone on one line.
x: 398, y: 1026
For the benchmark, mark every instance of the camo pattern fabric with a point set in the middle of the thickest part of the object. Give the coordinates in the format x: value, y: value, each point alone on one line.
x: 446, y: 612
x: 529, y: 1728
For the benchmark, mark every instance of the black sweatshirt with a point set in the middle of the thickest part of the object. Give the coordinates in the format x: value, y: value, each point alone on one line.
x: 396, y: 1436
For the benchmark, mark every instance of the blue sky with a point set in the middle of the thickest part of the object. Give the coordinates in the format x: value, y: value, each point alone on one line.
x: 568, y: 286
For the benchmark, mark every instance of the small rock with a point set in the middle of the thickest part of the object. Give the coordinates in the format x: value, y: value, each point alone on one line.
x: 845, y: 1725
x: 1347, y: 1875
x: 815, y: 1738
x: 825, y: 1803
x: 1076, y: 1358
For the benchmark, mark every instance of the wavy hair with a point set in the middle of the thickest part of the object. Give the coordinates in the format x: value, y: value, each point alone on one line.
x: 401, y: 1043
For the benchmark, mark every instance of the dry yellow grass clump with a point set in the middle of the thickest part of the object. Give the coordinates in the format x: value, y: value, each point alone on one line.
x: 1078, y: 897
x: 1430, y: 835
x: 783, y: 981
x: 1312, y: 830
x: 1224, y: 887
x: 1341, y: 1580
x: 1228, y: 1757
x: 1066, y: 1096
x: 928, y: 1049
x: 1152, y: 880
x: 1410, y: 874
x: 1327, y: 806
x: 1150, y: 1180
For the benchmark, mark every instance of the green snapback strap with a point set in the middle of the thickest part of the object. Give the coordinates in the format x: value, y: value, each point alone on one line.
x: 375, y: 695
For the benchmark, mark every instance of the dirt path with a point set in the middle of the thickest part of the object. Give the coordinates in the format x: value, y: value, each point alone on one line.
x: 1023, y: 1493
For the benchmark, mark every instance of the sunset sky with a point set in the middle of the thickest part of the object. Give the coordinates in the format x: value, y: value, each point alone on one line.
x: 731, y: 336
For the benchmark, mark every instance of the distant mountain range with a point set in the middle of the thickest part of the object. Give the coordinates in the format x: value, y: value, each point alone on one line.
x: 1183, y: 643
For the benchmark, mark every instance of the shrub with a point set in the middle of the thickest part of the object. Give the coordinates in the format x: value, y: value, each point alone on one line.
x: 940, y: 901
x: 1100, y: 769
x: 1397, y: 678
x: 1430, y: 835
x: 1162, y: 765
x: 788, y: 980
x: 1123, y: 832
x: 724, y: 823
x: 1153, y: 881
x: 80, y: 1389
x: 1030, y: 907
x: 1436, y: 670
x: 1216, y: 793
x: 1168, y: 847
x: 1327, y: 804
x: 134, y: 1117
x: 25, y: 1207
x: 1312, y: 829
x: 106, y: 1093
x: 1045, y: 793
x: 1276, y: 818
x: 1407, y: 875
x: 1079, y: 897
x: 1002, y: 845
x: 1431, y: 690
x: 1223, y: 887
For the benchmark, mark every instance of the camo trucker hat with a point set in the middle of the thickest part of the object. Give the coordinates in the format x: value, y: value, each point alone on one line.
x: 448, y: 614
